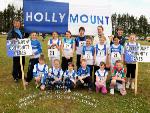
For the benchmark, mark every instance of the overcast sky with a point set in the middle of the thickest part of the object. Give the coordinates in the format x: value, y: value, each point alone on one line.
x: 134, y: 7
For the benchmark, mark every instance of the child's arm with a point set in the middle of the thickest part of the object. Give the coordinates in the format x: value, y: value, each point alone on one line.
x: 79, y: 77
x: 73, y: 47
x: 105, y: 77
x: 94, y: 55
x: 62, y: 49
x: 107, y: 58
x: 76, y: 76
x: 82, y: 54
x: 109, y: 55
x: 49, y: 45
x: 97, y: 79
x: 122, y: 54
x: 59, y: 46
x: 34, y: 71
x: 75, y: 43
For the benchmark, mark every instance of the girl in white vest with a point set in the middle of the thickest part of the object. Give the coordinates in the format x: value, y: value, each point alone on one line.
x: 54, y: 46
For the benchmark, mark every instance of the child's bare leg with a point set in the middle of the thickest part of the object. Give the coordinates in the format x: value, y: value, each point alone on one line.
x: 132, y: 83
x: 123, y: 90
x: 112, y: 84
x: 128, y: 83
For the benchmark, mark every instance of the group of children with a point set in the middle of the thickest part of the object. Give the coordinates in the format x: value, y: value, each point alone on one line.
x: 89, y: 57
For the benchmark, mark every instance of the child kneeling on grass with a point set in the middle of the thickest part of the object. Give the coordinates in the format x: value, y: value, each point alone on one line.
x: 70, y: 76
x: 55, y: 76
x: 40, y: 71
x: 84, y: 75
x: 118, y: 78
x: 101, y: 77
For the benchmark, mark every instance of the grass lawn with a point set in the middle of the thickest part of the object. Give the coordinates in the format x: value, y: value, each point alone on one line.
x: 13, y: 99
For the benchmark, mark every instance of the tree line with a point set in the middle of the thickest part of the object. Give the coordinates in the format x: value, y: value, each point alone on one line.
x: 130, y: 23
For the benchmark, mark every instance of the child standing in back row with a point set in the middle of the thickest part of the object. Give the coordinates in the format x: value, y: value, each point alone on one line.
x: 68, y: 47
x: 101, y: 53
x: 54, y: 46
x: 80, y: 41
x: 116, y: 52
x: 131, y: 66
x: 88, y: 54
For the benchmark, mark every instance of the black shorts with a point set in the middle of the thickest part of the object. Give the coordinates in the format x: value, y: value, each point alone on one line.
x: 131, y: 70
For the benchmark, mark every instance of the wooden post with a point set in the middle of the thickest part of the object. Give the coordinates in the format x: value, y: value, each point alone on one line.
x: 136, y: 76
x: 23, y: 81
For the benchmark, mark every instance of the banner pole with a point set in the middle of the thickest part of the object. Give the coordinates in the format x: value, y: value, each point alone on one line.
x: 23, y: 81
x: 136, y: 76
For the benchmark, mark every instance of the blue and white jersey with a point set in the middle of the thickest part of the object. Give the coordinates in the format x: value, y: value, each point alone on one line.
x: 36, y: 48
x: 129, y: 48
x: 88, y: 54
x: 83, y: 72
x: 116, y: 51
x: 70, y: 74
x: 102, y: 75
x: 80, y: 42
x: 68, y: 46
x: 54, y: 51
x: 40, y: 70
x: 101, y: 53
x: 56, y: 73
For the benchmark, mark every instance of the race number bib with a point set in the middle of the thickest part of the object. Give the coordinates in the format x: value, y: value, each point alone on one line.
x: 67, y: 46
x: 116, y: 55
x: 88, y: 55
x: 82, y: 43
x: 52, y: 52
x: 101, y: 78
x: 41, y: 74
x: 101, y: 53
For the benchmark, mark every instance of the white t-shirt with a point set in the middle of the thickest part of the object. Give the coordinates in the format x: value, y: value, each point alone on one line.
x: 116, y: 51
x: 102, y: 52
x: 54, y: 52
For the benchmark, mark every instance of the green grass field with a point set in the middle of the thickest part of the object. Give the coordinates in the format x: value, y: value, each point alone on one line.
x: 13, y: 99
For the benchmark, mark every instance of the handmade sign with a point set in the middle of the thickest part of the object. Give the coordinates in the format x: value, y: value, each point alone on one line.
x: 20, y: 47
x: 137, y: 54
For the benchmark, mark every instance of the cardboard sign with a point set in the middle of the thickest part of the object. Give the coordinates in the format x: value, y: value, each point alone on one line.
x: 137, y: 54
x: 20, y: 47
